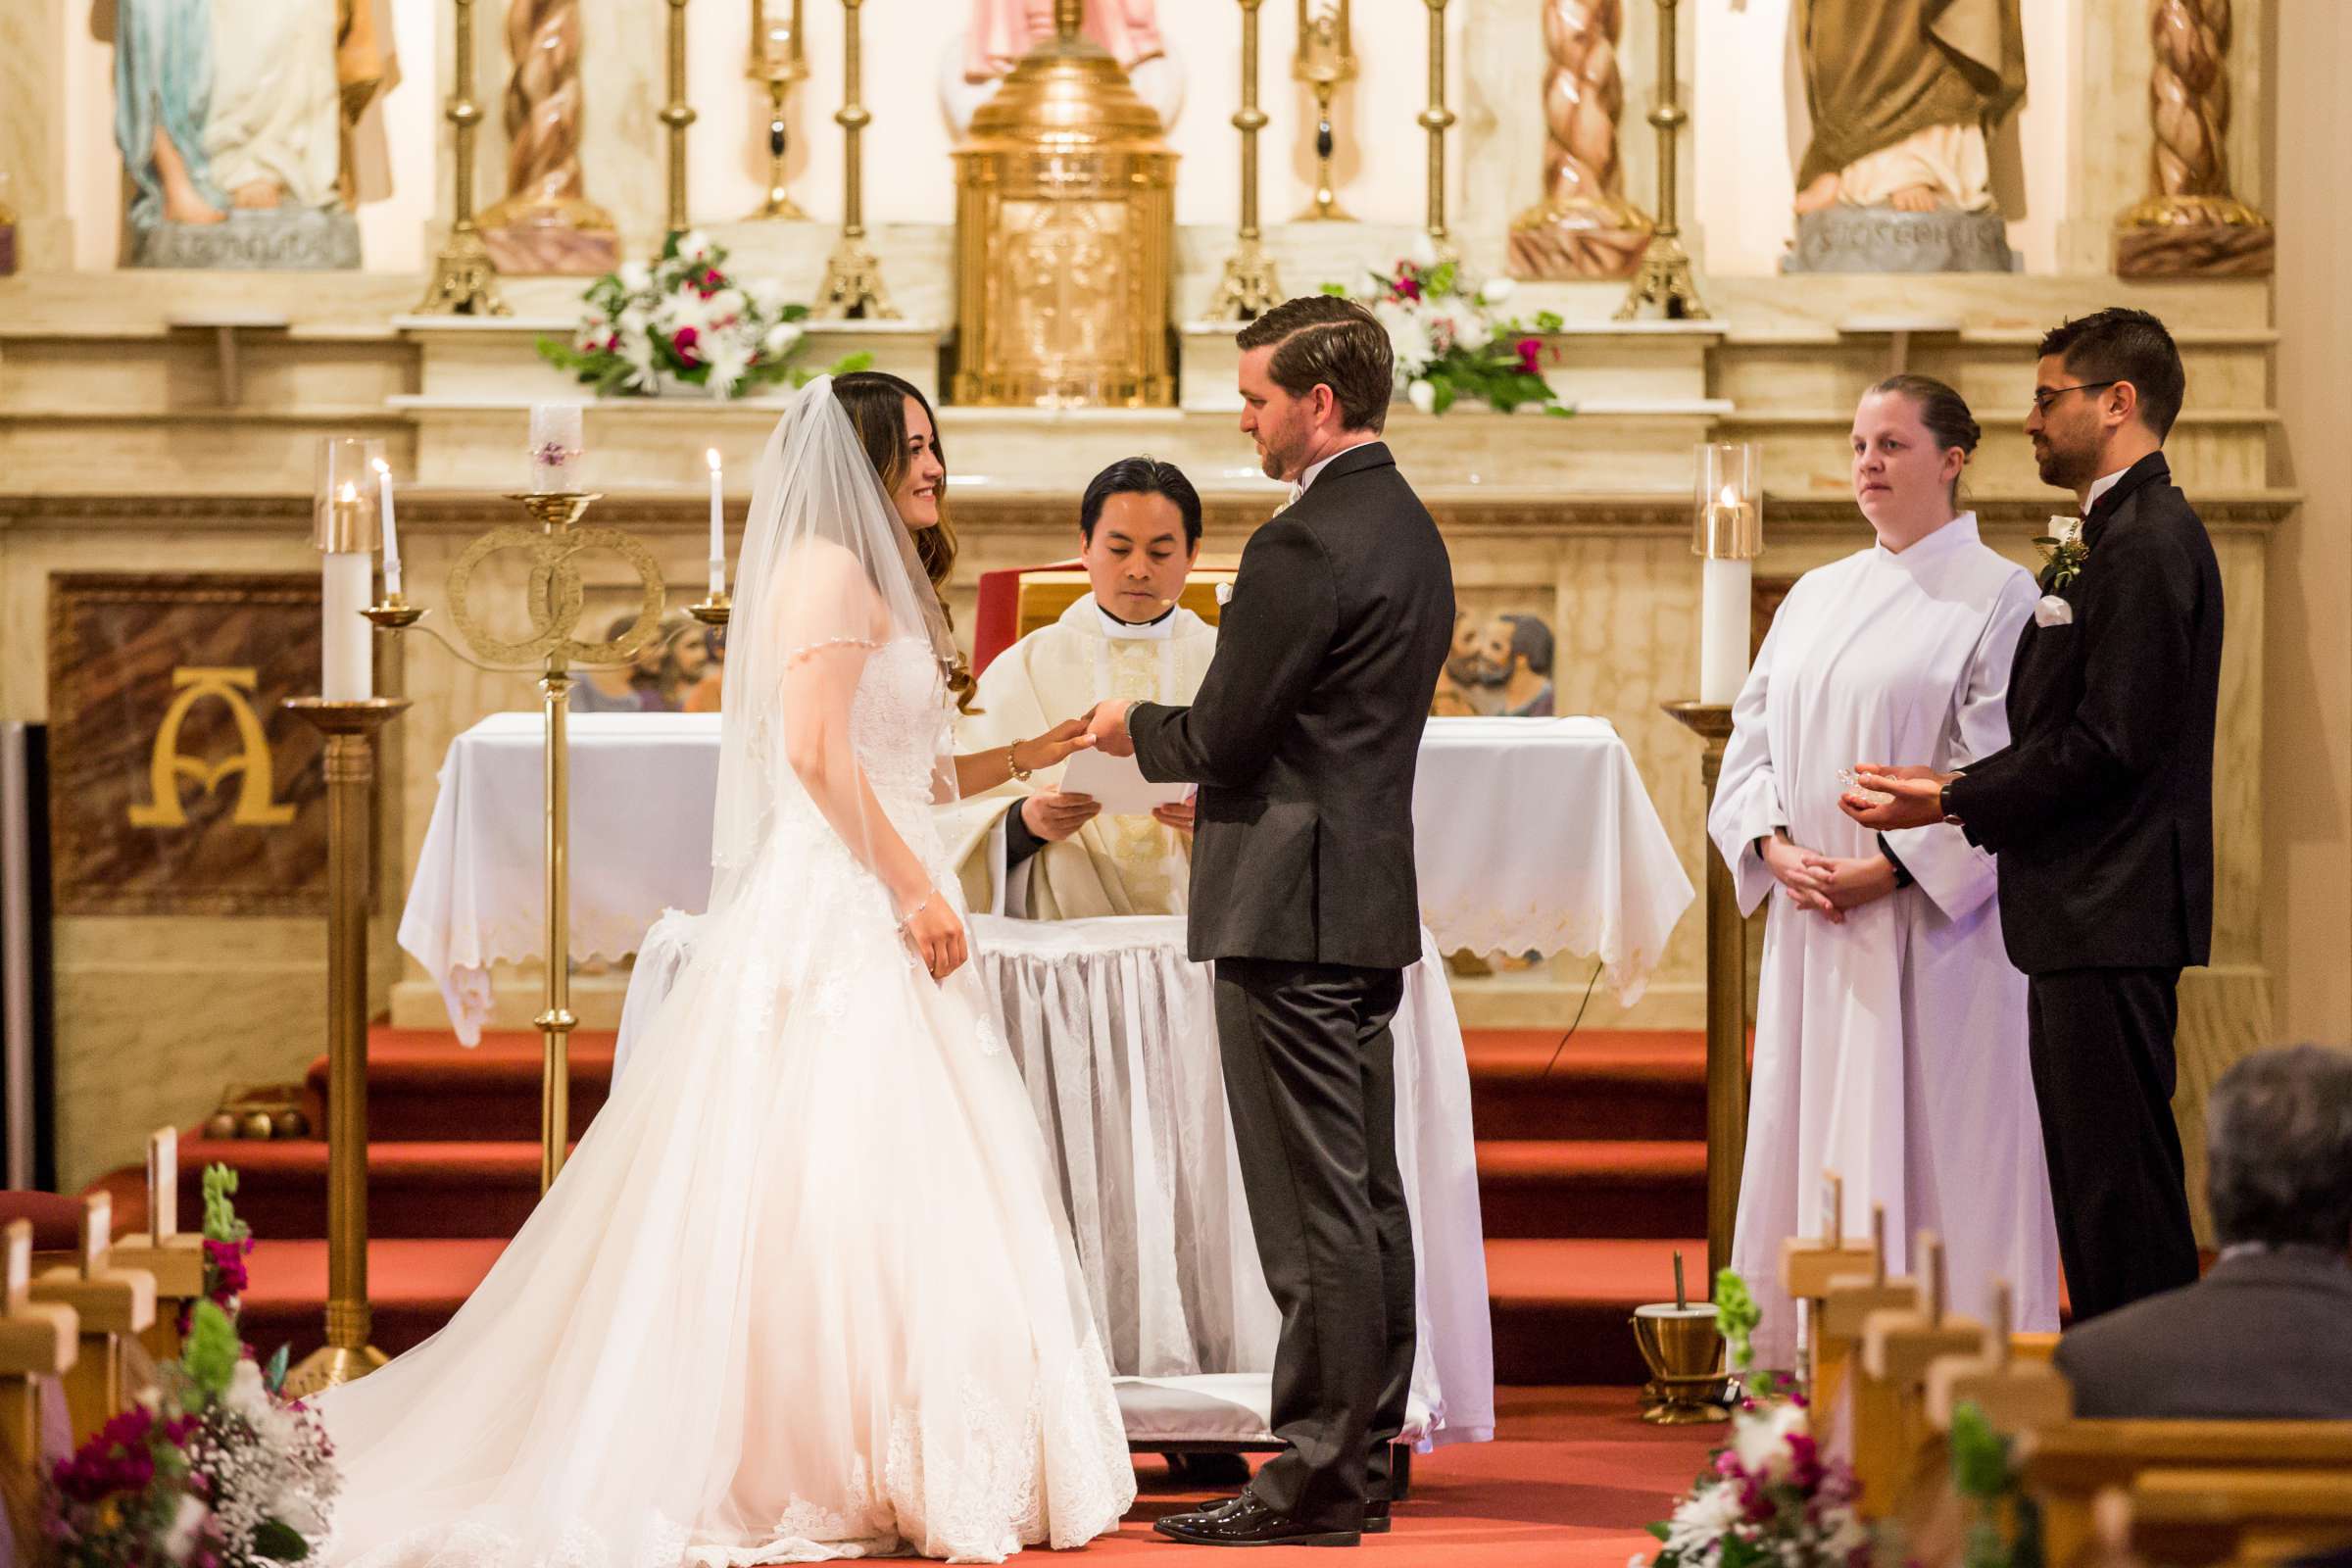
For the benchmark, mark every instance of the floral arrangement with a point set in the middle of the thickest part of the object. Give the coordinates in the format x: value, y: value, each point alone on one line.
x: 680, y: 322
x: 2063, y: 552
x: 1767, y: 1497
x: 1451, y: 343
x: 213, y: 1467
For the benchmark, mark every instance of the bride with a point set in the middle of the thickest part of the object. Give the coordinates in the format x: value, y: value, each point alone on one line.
x: 805, y: 1290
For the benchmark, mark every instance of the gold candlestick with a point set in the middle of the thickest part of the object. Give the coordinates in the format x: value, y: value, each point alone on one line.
x: 1435, y: 119
x: 852, y: 276
x: 1249, y: 290
x: 779, y: 59
x: 1727, y: 1003
x: 350, y: 729
x: 677, y: 114
x: 1326, y: 58
x: 465, y: 282
x: 1665, y: 279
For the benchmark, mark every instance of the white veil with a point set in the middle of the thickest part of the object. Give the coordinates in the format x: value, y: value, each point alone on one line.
x: 828, y: 573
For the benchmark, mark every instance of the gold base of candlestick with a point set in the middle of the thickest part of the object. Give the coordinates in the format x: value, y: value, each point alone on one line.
x: 1727, y: 1001
x: 714, y: 611
x: 350, y: 727
x: 1665, y: 282
x: 777, y: 206
x: 464, y: 279
x: 853, y: 288
x: 1249, y: 290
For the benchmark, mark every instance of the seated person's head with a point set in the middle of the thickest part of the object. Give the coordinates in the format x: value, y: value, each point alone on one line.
x: 2279, y: 1149
x: 1139, y: 524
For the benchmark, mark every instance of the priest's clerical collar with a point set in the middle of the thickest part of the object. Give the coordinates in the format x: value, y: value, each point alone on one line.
x: 1159, y: 626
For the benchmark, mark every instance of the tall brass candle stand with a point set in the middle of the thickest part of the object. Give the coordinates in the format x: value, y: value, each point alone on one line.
x: 350, y: 729
x: 853, y: 276
x: 779, y: 58
x: 1665, y: 279
x: 1249, y: 290
x: 557, y: 598
x: 1727, y: 1000
x: 465, y: 282
x: 1435, y: 119
x: 677, y: 114
x: 1325, y: 58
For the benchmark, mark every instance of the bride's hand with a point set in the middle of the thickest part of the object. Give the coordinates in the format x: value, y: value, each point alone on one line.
x: 937, y: 937
x: 1055, y: 745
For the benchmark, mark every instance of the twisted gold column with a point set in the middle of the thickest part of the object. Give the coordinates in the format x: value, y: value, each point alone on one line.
x: 464, y: 281
x: 2191, y: 224
x: 546, y: 224
x: 1583, y: 228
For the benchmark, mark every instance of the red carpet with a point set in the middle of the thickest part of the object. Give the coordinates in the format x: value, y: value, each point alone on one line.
x: 1570, y: 1480
x: 1587, y: 1175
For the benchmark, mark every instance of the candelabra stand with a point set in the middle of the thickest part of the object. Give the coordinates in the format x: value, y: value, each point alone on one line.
x: 1435, y: 119
x: 555, y: 601
x: 778, y: 60
x: 1326, y: 58
x: 1247, y: 289
x: 350, y: 729
x: 1727, y: 1001
x: 852, y: 276
x: 1665, y: 279
x: 465, y: 282
x: 677, y: 114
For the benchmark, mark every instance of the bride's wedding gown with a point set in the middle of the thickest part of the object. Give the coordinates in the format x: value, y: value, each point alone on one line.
x: 804, y: 1290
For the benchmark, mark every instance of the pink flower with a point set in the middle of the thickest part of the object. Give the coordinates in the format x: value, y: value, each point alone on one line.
x: 1530, y: 354
x: 1408, y: 288
x: 684, y: 342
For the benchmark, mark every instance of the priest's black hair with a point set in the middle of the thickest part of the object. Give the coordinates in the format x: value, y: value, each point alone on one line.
x: 2117, y: 344
x: 1142, y: 477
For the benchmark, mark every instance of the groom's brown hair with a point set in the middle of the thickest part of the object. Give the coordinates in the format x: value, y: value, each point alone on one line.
x: 1322, y: 338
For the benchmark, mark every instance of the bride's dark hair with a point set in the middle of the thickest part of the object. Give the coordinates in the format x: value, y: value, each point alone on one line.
x: 876, y: 403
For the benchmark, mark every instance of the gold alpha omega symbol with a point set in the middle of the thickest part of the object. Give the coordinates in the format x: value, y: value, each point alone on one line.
x: 167, y: 766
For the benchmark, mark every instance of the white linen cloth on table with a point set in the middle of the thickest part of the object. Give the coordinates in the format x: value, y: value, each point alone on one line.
x: 1534, y: 836
x: 1095, y: 1009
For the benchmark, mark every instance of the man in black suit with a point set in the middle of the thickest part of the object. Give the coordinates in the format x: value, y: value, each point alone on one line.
x: 2101, y: 806
x: 1303, y: 739
x: 2261, y: 1337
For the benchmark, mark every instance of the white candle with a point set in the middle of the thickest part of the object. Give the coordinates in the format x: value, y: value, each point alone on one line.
x: 1723, y: 629
x: 383, y: 492
x: 97, y: 1233
x: 719, y: 527
x: 555, y: 445
x: 163, y: 1185
x: 345, y: 580
x: 20, y: 1266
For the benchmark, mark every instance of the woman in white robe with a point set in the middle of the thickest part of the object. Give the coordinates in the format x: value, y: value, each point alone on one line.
x: 1891, y: 1027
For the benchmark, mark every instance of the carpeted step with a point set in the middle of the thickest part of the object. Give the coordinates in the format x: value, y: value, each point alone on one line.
x: 423, y: 1085
x: 1541, y: 1187
x: 1603, y: 1084
x: 414, y: 1286
x: 1563, y: 1309
x: 415, y: 1190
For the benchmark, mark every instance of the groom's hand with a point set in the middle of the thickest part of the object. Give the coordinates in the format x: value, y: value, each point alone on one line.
x: 1885, y: 799
x: 1108, y: 726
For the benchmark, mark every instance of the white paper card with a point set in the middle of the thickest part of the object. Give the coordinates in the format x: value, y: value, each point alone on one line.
x: 1118, y: 783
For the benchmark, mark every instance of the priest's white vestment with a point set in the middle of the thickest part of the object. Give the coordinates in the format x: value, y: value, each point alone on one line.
x: 1890, y: 1049
x: 1113, y: 864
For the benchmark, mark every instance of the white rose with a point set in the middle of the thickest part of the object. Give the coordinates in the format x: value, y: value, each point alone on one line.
x: 2067, y: 529
x: 2052, y: 611
x: 725, y: 303
x: 179, y: 1540
x: 634, y: 322
x: 1761, y: 1441
x: 1224, y: 592
x: 781, y: 337
x: 767, y: 295
x: 635, y: 276
x: 1424, y: 251
x: 1471, y: 331
x: 694, y: 246
x: 247, y: 1395
x: 1496, y: 290
x: 1424, y: 395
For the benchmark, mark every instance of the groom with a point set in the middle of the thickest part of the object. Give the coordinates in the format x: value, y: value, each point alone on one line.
x: 1303, y: 739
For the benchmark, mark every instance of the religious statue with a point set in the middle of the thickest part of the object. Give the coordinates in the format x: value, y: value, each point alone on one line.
x: 1499, y: 667
x: 1903, y: 96
x: 1001, y: 32
x: 232, y: 119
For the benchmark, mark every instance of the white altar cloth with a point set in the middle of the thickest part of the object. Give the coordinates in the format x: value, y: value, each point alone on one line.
x: 1534, y: 836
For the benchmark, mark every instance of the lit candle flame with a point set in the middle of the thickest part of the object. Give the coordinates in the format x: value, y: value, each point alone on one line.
x: 710, y: 456
x: 350, y: 495
x: 381, y: 466
x: 1730, y: 497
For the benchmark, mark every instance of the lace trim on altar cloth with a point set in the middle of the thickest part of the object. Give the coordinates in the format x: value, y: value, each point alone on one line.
x: 1547, y: 929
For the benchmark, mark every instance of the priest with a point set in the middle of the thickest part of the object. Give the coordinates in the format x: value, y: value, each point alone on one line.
x: 1028, y: 847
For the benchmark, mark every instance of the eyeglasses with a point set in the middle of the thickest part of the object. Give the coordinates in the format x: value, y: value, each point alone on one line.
x: 2050, y: 395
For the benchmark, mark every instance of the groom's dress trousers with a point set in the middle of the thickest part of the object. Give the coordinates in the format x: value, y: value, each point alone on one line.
x: 2101, y: 811
x: 1304, y: 740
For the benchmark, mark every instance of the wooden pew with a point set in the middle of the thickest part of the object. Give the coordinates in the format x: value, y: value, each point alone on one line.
x: 175, y: 1261
x: 1847, y: 1303
x: 2018, y: 1393
x: 1893, y: 1439
x: 1811, y: 1265
x: 39, y: 1341
x: 2066, y: 1467
x: 112, y: 1306
x: 2246, y: 1518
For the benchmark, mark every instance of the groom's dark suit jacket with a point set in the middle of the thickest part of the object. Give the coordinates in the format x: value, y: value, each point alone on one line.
x: 1306, y: 729
x: 2101, y: 806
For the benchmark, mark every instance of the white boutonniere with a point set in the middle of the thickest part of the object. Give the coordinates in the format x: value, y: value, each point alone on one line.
x: 2063, y: 553
x: 1224, y: 591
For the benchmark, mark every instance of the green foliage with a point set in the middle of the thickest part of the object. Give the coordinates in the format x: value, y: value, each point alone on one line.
x: 1736, y: 1317
x: 220, y: 1222
x: 209, y: 1355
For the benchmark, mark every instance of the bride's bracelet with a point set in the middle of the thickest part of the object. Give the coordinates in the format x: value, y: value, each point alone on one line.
x: 923, y: 904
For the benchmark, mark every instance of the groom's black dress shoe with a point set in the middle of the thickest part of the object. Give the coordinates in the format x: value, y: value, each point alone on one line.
x: 1247, y: 1522
x: 1376, y: 1516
